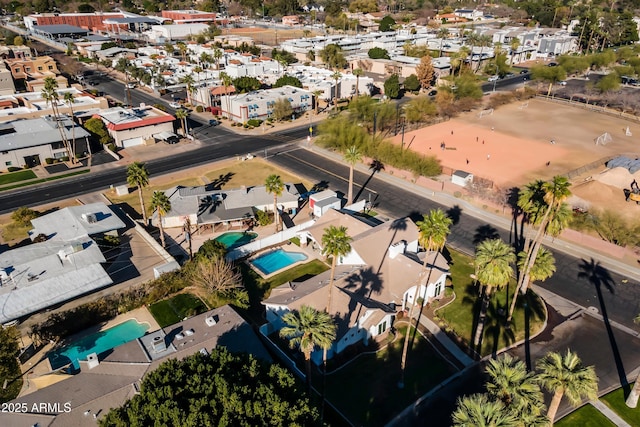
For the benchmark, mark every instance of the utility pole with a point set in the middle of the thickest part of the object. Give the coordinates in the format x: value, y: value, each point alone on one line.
x: 187, y: 235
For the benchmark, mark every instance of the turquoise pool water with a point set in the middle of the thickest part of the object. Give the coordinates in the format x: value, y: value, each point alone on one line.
x: 276, y: 260
x: 98, y: 342
x: 233, y: 239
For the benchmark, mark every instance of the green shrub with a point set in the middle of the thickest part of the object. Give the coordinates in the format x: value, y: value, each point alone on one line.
x: 199, y: 109
x: 65, y: 159
x: 24, y: 215
x: 246, y: 126
x: 13, y: 169
x: 112, y: 147
x: 263, y: 218
x: 48, y: 160
x: 254, y: 122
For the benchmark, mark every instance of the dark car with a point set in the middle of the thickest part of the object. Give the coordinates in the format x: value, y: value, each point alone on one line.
x: 433, y: 93
x: 552, y: 64
x: 214, y: 122
x: 524, y: 71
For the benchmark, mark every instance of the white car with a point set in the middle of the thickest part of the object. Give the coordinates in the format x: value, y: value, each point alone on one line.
x: 562, y: 82
x: 492, y: 79
x: 174, y: 105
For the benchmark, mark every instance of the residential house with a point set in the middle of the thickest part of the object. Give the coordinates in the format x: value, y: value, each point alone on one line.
x: 29, y: 142
x: 260, y: 104
x: 470, y: 14
x: 33, y: 71
x: 7, y: 87
x: 64, y: 266
x: 20, y: 52
x: 384, y: 272
x: 166, y: 33
x: 291, y: 20
x: 108, y: 380
x: 223, y: 209
x: 135, y: 126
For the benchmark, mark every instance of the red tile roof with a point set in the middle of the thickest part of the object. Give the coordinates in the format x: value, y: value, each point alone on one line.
x: 141, y: 123
x: 219, y: 90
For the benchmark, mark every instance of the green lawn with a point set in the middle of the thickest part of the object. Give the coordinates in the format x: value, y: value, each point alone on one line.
x: 366, y: 390
x: 259, y: 288
x: 460, y: 316
x: 11, y: 177
x: 40, y: 181
x: 587, y: 416
x: 616, y: 401
x: 172, y: 310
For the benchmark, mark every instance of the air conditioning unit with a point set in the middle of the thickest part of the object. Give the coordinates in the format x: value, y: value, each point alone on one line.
x: 90, y: 218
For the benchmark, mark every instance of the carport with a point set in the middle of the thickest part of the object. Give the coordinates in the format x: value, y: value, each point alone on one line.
x: 168, y: 137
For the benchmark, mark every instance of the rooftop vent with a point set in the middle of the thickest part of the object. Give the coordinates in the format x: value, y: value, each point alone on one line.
x: 90, y: 218
x: 158, y: 344
x: 211, y: 320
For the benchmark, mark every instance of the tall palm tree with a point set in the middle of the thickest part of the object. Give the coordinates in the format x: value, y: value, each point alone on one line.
x: 70, y: 100
x: 51, y: 96
x: 306, y: 329
x: 514, y: 45
x: 554, y: 194
x: 162, y: 204
x: 226, y: 82
x: 189, y: 83
x: 443, y: 33
x: 205, y: 60
x: 198, y: 69
x: 564, y: 375
x: 138, y: 176
x: 335, y: 243
x: 632, y: 399
x: 351, y: 156
x: 517, y: 388
x: 217, y: 56
x: 479, y: 411
x: 275, y: 186
x: 182, y: 114
x: 316, y: 95
x: 182, y: 48
x: 336, y: 76
x: 543, y: 269
x: 358, y: 72
x: 493, y: 270
x: 434, y: 230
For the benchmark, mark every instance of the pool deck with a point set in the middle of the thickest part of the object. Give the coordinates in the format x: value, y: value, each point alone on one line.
x: 37, y: 370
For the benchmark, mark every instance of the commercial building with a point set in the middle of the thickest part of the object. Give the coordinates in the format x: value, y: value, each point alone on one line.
x: 135, y: 126
x: 260, y: 104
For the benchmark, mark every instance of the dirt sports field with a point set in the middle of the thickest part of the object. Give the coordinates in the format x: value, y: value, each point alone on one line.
x: 513, y: 146
x: 267, y: 36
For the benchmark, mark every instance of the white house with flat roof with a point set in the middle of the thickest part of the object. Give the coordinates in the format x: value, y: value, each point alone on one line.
x: 64, y: 266
x: 259, y: 104
x: 29, y: 142
x: 166, y: 33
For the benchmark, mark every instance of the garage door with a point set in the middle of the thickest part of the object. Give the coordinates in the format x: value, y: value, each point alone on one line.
x: 126, y: 143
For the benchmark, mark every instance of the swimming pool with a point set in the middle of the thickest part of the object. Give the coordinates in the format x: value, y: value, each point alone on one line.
x: 276, y: 260
x: 98, y: 342
x: 233, y: 239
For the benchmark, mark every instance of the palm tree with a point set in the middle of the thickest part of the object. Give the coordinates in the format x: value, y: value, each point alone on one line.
x: 564, y: 375
x: 358, y: 72
x: 182, y: 114
x: 514, y: 45
x: 182, y: 47
x: 493, y: 270
x: 217, y: 56
x: 518, y: 389
x: 335, y: 243
x: 162, y: 204
x: 482, y: 41
x: 316, y: 95
x: 479, y: 411
x: 553, y: 195
x: 198, y: 69
x: 443, y: 33
x: 226, y: 82
x: 306, y: 329
x: 189, y: 83
x: 351, y: 156
x: 336, y: 76
x: 632, y: 399
x: 70, y: 100
x: 434, y: 230
x: 275, y: 186
x: 138, y: 176
x: 51, y: 96
x: 543, y: 269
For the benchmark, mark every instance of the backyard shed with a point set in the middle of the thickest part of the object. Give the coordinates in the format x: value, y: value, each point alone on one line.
x: 315, y: 198
x: 461, y: 178
x: 322, y: 206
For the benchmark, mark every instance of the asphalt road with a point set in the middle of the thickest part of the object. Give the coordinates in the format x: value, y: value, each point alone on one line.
x: 621, y: 299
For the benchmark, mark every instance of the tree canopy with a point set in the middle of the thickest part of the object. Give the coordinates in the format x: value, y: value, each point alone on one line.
x: 378, y: 53
x: 392, y: 87
x: 333, y: 56
x: 220, y: 389
x: 287, y: 80
x: 246, y: 84
x: 387, y: 23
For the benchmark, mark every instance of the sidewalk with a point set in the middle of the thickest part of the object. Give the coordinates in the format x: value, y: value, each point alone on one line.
x: 612, y: 416
x: 446, y: 342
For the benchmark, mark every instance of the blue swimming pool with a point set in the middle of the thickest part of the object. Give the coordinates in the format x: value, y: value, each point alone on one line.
x: 234, y: 239
x: 98, y: 342
x: 276, y: 260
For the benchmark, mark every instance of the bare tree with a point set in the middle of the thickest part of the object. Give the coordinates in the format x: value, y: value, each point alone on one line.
x: 216, y: 275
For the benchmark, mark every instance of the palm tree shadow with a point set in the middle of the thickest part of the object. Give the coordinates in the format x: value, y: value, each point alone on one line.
x: 455, y: 212
x: 515, y: 235
x: 599, y: 276
x: 497, y: 328
x: 485, y: 232
x: 471, y: 293
x: 375, y: 166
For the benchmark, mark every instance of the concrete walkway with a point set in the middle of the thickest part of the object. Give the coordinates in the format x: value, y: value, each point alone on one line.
x: 446, y: 342
x: 613, y: 417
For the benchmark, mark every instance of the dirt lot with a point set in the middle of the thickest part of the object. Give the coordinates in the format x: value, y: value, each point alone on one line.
x: 268, y: 36
x: 517, y: 147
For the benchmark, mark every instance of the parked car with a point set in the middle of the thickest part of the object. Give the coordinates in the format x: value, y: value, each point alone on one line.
x: 562, y: 82
x: 509, y: 75
x: 524, y: 71
x: 174, y: 105
x: 131, y: 85
x: 214, y: 122
x: 493, y: 79
x: 552, y: 64
x: 433, y: 93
